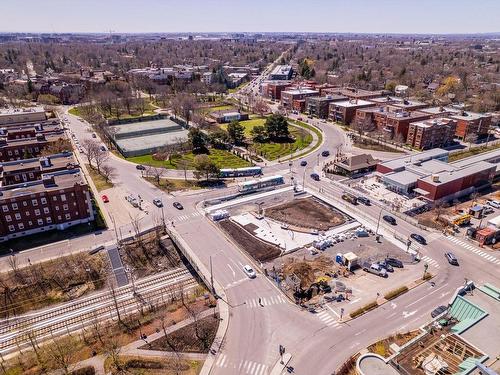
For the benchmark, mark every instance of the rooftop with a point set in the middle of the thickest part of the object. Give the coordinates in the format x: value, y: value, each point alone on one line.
x: 281, y: 69
x: 468, y: 116
x: 433, y: 122
x: 14, y: 111
x: 56, y: 161
x: 300, y: 91
x: 448, y: 176
x: 403, y: 161
x: 352, y: 103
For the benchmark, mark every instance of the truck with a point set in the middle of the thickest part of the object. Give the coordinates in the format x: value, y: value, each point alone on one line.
x: 350, y: 198
x: 375, y: 268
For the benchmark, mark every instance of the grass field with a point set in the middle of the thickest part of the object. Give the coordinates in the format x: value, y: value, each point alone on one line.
x: 222, y: 158
x: 273, y: 151
x: 99, y: 181
x: 149, y: 111
x: 473, y: 151
x: 223, y: 107
x: 75, y: 111
x: 249, y: 125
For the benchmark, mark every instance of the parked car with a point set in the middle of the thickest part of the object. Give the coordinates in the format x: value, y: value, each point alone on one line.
x: 303, y: 163
x: 178, y: 205
x: 389, y: 219
x: 375, y: 269
x: 94, y: 135
x: 394, y: 262
x: 487, y: 210
x: 315, y: 176
x: 249, y: 271
x: 364, y: 200
x: 325, y: 153
x: 495, y: 204
x: 386, y: 265
x: 140, y: 167
x: 157, y: 202
x: 417, y: 237
x: 451, y: 259
x: 438, y: 311
x: 103, y: 148
x: 105, y: 198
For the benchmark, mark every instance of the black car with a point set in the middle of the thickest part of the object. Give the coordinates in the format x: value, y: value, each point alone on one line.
x: 303, y: 163
x: 325, y: 153
x: 386, y: 265
x: 438, y: 311
x: 451, y: 259
x: 315, y: 176
x: 394, y: 262
x: 140, y: 167
x: 364, y: 200
x: 178, y: 205
x: 389, y: 219
x: 417, y: 237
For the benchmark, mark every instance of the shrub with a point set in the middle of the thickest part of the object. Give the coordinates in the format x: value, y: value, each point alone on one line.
x: 363, y: 309
x: 395, y: 293
x: 427, y: 276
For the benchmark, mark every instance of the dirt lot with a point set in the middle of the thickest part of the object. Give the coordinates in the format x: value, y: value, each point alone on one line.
x: 256, y: 248
x: 194, y: 338
x: 308, y: 213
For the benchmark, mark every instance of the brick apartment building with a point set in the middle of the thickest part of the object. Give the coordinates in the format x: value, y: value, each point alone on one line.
x: 19, y: 131
x: 401, y: 103
x: 56, y: 201
x: 23, y: 148
x: 353, y: 93
x: 273, y: 89
x: 431, y: 133
x: 22, y: 115
x: 318, y: 106
x: 345, y: 111
x: 296, y: 99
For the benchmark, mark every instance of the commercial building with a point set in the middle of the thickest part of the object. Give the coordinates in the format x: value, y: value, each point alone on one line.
x: 273, y: 89
x: 296, y: 99
x: 20, y: 115
x: 437, y: 132
x: 355, y: 164
x: 227, y: 116
x: 345, y: 111
x: 281, y: 72
x: 56, y: 201
x: 318, y: 106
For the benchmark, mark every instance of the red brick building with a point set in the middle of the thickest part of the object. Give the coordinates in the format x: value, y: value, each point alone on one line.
x: 295, y: 99
x: 23, y: 148
x: 345, y: 111
x: 469, y: 123
x: 431, y: 133
x: 272, y: 89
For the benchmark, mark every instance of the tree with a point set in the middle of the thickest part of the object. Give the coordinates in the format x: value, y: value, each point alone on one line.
x: 261, y: 108
x: 205, y: 167
x: 258, y: 134
x: 48, y: 99
x: 108, y: 171
x: 90, y: 147
x: 197, y: 139
x: 236, y: 132
x: 62, y: 145
x: 277, y: 127
x: 156, y: 173
x: 219, y: 138
x: 100, y: 157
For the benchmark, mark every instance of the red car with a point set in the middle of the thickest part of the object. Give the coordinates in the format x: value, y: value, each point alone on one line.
x: 105, y: 198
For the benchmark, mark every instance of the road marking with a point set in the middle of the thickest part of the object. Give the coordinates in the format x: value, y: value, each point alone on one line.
x: 427, y: 295
x: 360, y: 332
x: 231, y: 268
x: 333, y: 311
x: 393, y: 305
x: 354, y: 301
x: 407, y: 314
x: 390, y: 316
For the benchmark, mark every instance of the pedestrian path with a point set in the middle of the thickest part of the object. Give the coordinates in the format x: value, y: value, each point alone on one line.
x: 430, y: 261
x: 187, y: 216
x: 265, y: 301
x: 243, y: 366
x: 328, y: 319
x: 475, y: 250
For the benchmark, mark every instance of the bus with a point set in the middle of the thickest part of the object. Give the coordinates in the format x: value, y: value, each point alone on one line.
x: 240, y: 172
x: 261, y: 183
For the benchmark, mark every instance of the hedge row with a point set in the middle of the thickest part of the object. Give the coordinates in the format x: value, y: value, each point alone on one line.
x: 363, y: 309
x: 395, y: 293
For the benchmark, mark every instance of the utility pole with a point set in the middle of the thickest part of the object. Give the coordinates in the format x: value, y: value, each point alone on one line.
x: 378, y: 223
x: 163, y: 217
x: 212, y: 276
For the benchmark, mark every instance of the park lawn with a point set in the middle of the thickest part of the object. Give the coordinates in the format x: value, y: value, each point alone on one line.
x: 222, y: 158
x: 273, y: 151
x: 75, y: 111
x: 249, y: 125
x: 231, y: 91
x: 223, y: 107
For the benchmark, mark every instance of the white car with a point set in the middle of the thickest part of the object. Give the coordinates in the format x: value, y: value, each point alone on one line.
x: 249, y: 271
x: 495, y: 204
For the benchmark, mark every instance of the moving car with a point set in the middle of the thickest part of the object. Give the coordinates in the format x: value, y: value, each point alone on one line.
x: 178, y: 205
x: 451, y: 259
x: 375, y: 269
x: 364, y: 200
x: 157, y: 202
x: 303, y: 163
x: 315, y: 176
x: 389, y: 219
x: 325, y: 153
x: 249, y: 271
x: 103, y: 148
x: 438, y: 311
x: 105, y: 198
x: 94, y: 135
x: 140, y: 167
x: 417, y: 237
x: 394, y: 262
x: 386, y: 265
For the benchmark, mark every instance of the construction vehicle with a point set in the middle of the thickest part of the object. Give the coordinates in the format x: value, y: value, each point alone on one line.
x: 350, y: 198
x: 461, y: 220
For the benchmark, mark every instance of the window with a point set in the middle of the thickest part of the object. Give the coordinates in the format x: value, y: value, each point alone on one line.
x: 67, y: 216
x: 18, y: 216
x: 37, y: 212
x: 16, y: 152
x: 59, y: 217
x: 5, y: 208
x: 25, y: 203
x: 20, y: 226
x: 45, y: 210
x: 48, y: 220
x: 65, y: 207
x: 8, y: 218
x: 14, y: 206
x: 43, y: 200
x: 54, y: 198
x: 30, y: 223
x: 11, y: 228
x: 27, y: 213
x: 31, y: 175
x: 9, y: 153
x: 63, y: 197
x: 40, y: 221
x: 16, y: 177
x: 57, y: 208
x: 34, y: 202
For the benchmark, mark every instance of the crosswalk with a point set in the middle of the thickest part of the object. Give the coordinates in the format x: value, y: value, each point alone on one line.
x: 187, y: 217
x: 265, y: 301
x: 430, y: 261
x: 328, y: 319
x: 475, y: 250
x: 242, y: 366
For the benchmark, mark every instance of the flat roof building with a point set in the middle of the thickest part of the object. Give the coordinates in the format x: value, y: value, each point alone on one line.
x: 437, y: 132
x: 319, y: 105
x: 20, y: 115
x: 281, y: 72
x: 295, y: 98
x: 345, y: 111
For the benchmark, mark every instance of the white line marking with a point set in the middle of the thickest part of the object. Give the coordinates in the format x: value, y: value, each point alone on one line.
x: 420, y: 299
x: 333, y: 311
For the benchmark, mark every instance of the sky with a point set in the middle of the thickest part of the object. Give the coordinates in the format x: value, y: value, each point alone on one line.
x: 145, y: 16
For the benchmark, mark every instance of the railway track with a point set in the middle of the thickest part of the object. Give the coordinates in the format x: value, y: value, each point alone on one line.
x: 17, y: 334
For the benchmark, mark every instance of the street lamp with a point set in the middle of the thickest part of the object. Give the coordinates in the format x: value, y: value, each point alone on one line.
x: 378, y: 223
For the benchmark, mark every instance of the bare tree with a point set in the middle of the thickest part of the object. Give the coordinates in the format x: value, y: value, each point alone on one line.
x: 156, y: 173
x: 261, y: 108
x: 100, y: 157
x: 108, y: 171
x: 91, y: 148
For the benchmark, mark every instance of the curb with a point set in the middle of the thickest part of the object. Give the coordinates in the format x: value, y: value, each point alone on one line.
x: 279, y: 367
